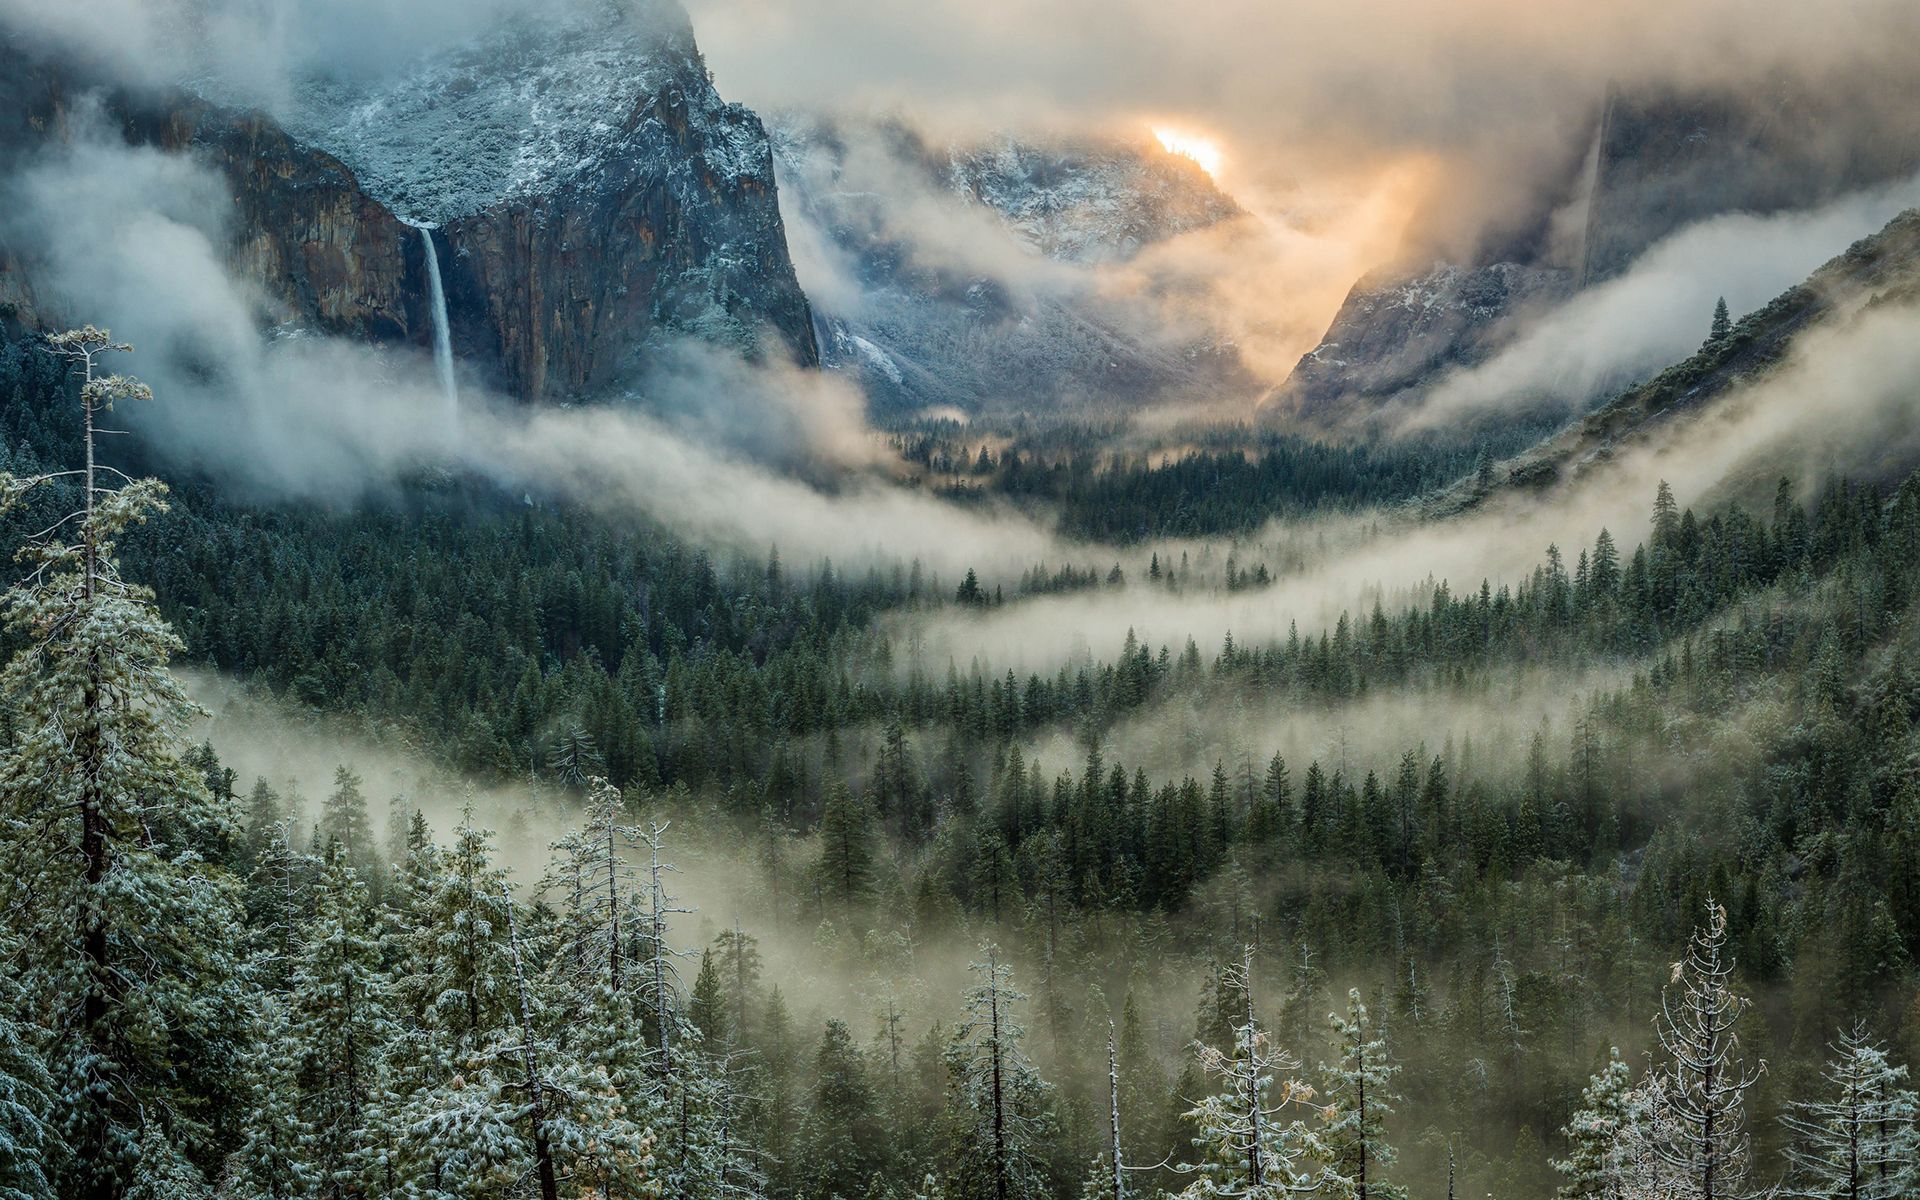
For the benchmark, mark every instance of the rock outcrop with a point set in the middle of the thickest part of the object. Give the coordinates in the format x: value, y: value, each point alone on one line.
x: 1393, y: 334
x: 592, y: 195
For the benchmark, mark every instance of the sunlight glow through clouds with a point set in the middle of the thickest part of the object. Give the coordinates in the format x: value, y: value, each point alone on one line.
x: 1202, y: 150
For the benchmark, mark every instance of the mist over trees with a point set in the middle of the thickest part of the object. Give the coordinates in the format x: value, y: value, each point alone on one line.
x: 1663, y: 946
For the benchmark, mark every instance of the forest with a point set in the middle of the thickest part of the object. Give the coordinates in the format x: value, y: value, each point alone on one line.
x: 1603, y: 882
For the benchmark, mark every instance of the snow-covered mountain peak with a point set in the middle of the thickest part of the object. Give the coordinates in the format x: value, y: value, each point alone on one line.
x: 1088, y: 200
x: 518, y: 110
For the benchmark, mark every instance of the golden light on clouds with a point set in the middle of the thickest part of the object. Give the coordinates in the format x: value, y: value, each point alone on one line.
x: 1202, y: 150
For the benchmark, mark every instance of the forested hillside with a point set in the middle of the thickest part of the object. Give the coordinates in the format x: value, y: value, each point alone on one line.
x: 277, y: 999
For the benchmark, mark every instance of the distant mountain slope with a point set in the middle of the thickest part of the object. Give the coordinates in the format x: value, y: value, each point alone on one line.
x: 1089, y: 201
x: 592, y: 193
x: 1658, y: 161
x: 976, y: 276
x: 1881, y: 269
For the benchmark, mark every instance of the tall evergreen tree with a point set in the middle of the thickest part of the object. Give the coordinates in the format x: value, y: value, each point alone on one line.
x: 1359, y: 1099
x: 126, y: 933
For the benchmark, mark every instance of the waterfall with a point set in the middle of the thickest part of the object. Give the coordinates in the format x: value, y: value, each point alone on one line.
x: 442, y: 336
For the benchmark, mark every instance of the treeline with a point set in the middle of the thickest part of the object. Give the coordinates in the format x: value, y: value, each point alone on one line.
x: 1219, y: 484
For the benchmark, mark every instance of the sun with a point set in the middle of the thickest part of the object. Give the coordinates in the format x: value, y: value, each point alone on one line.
x: 1202, y: 150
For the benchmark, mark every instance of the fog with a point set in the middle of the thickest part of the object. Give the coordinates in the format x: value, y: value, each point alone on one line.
x: 1656, y: 313
x: 129, y: 238
x: 1498, y: 717
x: 1844, y: 401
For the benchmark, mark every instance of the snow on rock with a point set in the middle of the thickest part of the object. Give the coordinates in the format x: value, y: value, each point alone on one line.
x: 1089, y: 201
x: 520, y: 109
x: 967, y: 276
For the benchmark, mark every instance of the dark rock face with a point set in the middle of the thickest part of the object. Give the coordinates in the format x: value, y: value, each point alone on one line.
x: 1391, y: 336
x: 326, y: 254
x: 592, y: 191
x: 680, y: 231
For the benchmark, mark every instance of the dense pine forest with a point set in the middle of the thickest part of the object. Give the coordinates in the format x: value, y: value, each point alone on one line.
x: 773, y: 909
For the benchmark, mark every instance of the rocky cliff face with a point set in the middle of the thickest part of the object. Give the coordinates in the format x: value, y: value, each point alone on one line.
x: 1088, y: 201
x: 591, y: 191
x: 1393, y: 334
x: 326, y: 254
x: 1659, y: 161
x: 970, y: 275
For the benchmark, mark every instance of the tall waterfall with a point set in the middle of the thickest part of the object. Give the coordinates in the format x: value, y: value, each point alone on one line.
x: 442, y: 335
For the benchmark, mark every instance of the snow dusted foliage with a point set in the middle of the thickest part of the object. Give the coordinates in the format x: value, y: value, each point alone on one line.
x: 1000, y: 1108
x: 1359, y: 1098
x: 1594, y: 1164
x: 528, y: 105
x: 125, y: 948
x: 1858, y: 1139
x: 1252, y: 1146
x: 1703, y: 1138
x: 341, y: 1019
x: 27, y: 1145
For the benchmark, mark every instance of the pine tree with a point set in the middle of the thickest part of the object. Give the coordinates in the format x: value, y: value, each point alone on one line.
x: 340, y: 1020
x: 1359, y: 1098
x: 1860, y: 1142
x: 847, y: 853
x: 843, y: 1134
x: 30, y: 1147
x: 999, y: 1109
x: 125, y: 932
x: 1250, y: 1150
x: 344, y: 819
x: 1595, y: 1136
x: 455, y: 983
x: 1705, y: 1143
x: 1722, y: 322
x: 272, y: 1161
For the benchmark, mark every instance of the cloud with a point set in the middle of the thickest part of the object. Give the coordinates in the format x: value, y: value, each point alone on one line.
x: 1656, y: 313
x: 129, y: 238
x: 1843, y: 401
x: 1297, y: 91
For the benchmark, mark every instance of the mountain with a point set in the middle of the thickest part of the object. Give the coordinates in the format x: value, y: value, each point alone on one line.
x: 590, y: 194
x: 1658, y: 160
x: 986, y: 276
x: 1394, y: 332
x: 1882, y: 269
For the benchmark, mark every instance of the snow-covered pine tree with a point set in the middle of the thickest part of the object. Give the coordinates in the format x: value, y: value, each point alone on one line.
x: 29, y: 1146
x: 272, y: 1161
x: 341, y: 1021
x: 999, y: 1107
x: 125, y: 932
x: 593, y: 874
x: 1859, y: 1142
x: 344, y: 818
x: 455, y: 980
x: 1595, y: 1136
x: 1359, y: 1098
x: 1704, y: 1141
x: 1250, y: 1149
